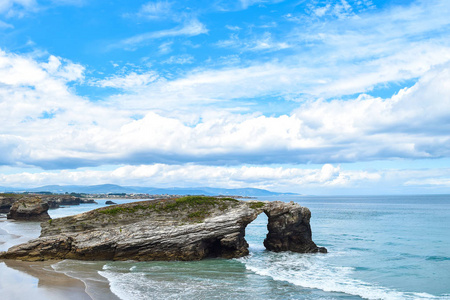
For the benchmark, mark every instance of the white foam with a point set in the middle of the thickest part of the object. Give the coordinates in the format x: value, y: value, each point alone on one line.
x: 313, y: 271
x: 96, y: 286
x: 140, y: 285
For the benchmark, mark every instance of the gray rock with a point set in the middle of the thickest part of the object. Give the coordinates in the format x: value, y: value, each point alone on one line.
x: 7, y: 201
x: 88, y: 201
x: 109, y: 202
x: 289, y: 229
x: 29, y: 209
x: 55, y: 201
x: 169, y: 229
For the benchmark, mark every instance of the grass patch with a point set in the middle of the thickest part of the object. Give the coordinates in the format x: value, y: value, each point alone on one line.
x: 198, y: 206
x: 257, y: 205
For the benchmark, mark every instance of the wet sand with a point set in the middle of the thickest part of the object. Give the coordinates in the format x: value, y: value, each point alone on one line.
x: 37, y: 280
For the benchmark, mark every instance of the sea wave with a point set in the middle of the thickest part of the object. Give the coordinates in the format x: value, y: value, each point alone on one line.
x: 96, y: 286
x: 314, y: 271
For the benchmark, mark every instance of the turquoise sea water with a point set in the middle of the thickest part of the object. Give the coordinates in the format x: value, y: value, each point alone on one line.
x: 380, y: 247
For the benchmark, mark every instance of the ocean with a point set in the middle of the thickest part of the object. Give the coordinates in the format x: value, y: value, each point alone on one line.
x: 379, y: 247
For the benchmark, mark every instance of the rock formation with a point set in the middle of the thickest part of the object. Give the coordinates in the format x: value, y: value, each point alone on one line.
x: 29, y: 209
x: 289, y: 229
x: 109, y: 202
x: 6, y: 201
x: 55, y: 201
x: 188, y: 228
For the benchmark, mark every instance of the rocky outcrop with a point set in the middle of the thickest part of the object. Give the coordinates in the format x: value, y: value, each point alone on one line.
x: 189, y: 228
x: 6, y: 201
x: 29, y: 209
x: 109, y: 202
x: 55, y: 201
x: 88, y: 201
x: 289, y: 229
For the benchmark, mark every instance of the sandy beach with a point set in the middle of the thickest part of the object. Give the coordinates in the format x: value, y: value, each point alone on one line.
x: 22, y: 280
x: 39, y: 280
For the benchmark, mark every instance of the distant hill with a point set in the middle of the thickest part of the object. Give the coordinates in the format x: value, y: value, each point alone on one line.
x: 112, y: 188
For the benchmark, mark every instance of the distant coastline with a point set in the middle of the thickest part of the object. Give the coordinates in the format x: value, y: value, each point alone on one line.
x: 115, y: 191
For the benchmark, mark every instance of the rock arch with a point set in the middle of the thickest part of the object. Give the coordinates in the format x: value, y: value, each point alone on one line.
x: 161, y: 230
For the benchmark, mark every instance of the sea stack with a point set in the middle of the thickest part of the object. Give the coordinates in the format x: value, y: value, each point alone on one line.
x: 29, y: 209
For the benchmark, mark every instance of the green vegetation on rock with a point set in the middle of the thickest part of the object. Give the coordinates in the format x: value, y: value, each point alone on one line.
x: 257, y: 205
x: 196, y: 207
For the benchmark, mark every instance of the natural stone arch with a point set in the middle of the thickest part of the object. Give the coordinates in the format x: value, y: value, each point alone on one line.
x: 161, y: 230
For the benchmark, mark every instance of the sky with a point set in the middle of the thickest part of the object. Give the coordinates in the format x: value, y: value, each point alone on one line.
x: 320, y: 97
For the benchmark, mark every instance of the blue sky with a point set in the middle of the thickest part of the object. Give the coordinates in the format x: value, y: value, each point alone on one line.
x: 315, y: 97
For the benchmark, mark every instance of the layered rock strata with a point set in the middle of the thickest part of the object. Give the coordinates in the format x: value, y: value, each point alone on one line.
x: 29, y: 209
x: 189, y: 228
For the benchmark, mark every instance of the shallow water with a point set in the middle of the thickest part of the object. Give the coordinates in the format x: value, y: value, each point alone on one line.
x: 384, y: 247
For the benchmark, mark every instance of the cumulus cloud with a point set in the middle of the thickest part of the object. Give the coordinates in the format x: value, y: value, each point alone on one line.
x: 176, y: 125
x: 277, y: 178
x: 43, y: 124
x: 311, y: 180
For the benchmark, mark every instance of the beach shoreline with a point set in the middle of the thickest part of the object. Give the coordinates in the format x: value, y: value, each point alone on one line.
x: 45, y: 283
x: 42, y: 281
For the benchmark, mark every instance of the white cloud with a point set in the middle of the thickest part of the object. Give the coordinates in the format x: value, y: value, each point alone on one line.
x: 180, y: 59
x: 129, y: 81
x: 16, y: 7
x: 190, y: 28
x: 163, y: 175
x: 165, y: 47
x: 444, y: 182
x: 311, y: 180
x: 265, y: 42
x: 4, y: 25
x: 246, y: 3
x: 20, y: 8
x: 43, y: 124
x: 233, y: 28
x: 156, y: 10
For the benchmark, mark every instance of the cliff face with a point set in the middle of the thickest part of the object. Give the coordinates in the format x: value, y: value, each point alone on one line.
x: 7, y: 201
x: 189, y: 228
x: 29, y: 209
x: 289, y: 229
